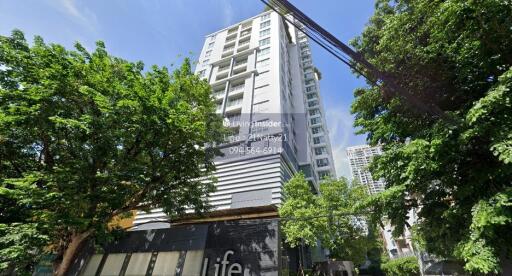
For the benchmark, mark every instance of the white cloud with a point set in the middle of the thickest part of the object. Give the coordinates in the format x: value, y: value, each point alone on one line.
x: 227, y: 12
x: 77, y: 13
x: 341, y: 134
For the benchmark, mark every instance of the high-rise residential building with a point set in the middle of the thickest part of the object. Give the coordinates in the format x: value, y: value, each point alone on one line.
x: 359, y: 158
x: 267, y: 89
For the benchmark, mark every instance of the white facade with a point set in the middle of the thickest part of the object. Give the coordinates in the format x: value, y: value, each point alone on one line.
x: 359, y: 158
x: 257, y: 76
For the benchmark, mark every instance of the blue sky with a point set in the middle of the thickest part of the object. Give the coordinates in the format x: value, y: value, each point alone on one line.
x: 159, y: 31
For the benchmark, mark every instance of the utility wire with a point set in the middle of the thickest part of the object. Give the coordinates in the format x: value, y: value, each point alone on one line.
x: 339, y: 50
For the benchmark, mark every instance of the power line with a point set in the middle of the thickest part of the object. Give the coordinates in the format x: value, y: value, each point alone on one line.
x: 350, y: 57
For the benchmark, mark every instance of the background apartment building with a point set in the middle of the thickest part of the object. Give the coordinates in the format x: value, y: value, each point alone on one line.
x: 266, y: 88
x: 359, y: 158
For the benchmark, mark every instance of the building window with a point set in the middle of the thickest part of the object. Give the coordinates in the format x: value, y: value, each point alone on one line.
x: 315, y: 121
x: 320, y: 151
x: 324, y: 174
x: 210, y: 45
x: 260, y: 126
x: 317, y: 130
x: 260, y: 106
x: 208, y: 53
x: 322, y: 162
x: 206, y: 61
x: 310, y: 96
x: 314, y: 112
x: 265, y: 17
x: 264, y: 24
x: 265, y: 41
x: 318, y: 140
x: 235, y: 101
x: 263, y: 63
x: 263, y: 52
x: 264, y: 32
x: 310, y: 88
x: 308, y: 76
x: 312, y: 103
x: 202, y: 73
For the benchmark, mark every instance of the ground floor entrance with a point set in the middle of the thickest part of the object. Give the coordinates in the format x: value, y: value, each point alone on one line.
x: 240, y: 247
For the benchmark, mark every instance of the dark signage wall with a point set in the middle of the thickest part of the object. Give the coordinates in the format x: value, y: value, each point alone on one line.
x: 249, y: 247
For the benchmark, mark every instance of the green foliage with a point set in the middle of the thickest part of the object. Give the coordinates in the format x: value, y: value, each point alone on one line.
x: 327, y: 217
x: 456, y: 55
x: 86, y: 137
x: 401, y: 267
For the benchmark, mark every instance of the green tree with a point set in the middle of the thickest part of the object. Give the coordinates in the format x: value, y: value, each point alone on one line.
x: 457, y: 55
x: 327, y: 217
x: 401, y: 267
x: 88, y: 137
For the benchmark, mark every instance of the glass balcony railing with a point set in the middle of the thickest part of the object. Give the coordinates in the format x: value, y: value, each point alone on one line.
x: 244, y: 43
x: 224, y: 68
x: 240, y: 63
x: 235, y: 102
x: 229, y: 49
x: 237, y: 88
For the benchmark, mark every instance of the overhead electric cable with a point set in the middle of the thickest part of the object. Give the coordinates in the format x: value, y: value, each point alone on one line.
x: 349, y: 57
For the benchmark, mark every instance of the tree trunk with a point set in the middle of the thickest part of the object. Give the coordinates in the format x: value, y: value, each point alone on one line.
x: 76, y: 243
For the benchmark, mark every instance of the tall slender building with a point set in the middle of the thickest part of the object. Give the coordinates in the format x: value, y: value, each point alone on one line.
x: 266, y: 88
x: 359, y: 158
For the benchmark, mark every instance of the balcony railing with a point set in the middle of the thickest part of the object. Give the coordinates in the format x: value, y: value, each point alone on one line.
x: 241, y: 62
x: 224, y: 68
x: 218, y: 94
x: 228, y: 40
x: 243, y: 43
x: 235, y: 102
x: 229, y: 48
x: 237, y: 88
x: 246, y: 26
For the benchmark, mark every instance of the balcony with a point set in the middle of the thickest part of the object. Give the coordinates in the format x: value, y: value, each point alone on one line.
x: 218, y: 94
x: 230, y: 39
x: 236, y: 89
x: 228, y: 51
x: 243, y: 45
x: 223, y: 68
x: 313, y: 103
x: 234, y: 119
x: 233, y: 31
x: 246, y: 26
x: 234, y: 104
x: 245, y: 34
x: 239, y: 63
x: 221, y: 76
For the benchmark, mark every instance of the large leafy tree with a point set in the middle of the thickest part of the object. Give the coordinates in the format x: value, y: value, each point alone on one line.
x: 88, y: 137
x: 456, y: 55
x: 330, y: 217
